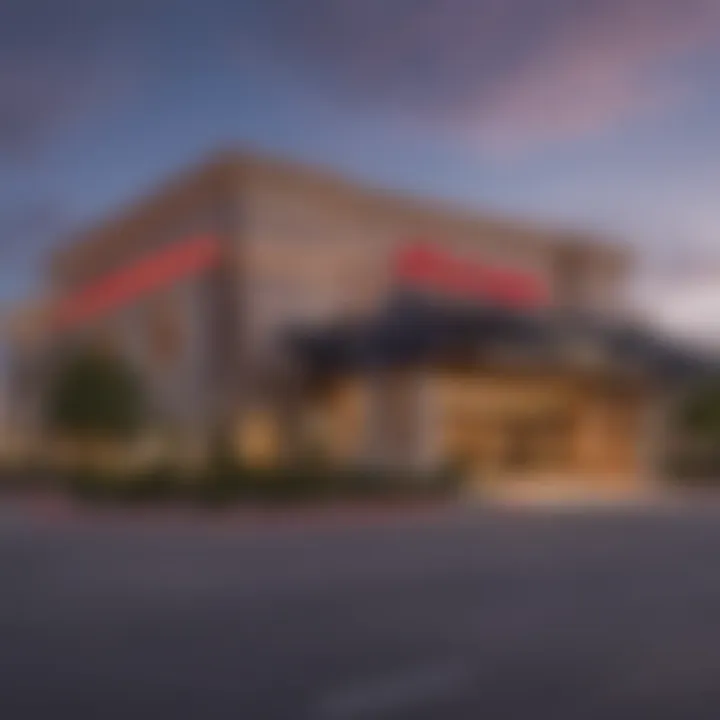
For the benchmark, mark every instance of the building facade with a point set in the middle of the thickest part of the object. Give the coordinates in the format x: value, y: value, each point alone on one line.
x: 228, y: 287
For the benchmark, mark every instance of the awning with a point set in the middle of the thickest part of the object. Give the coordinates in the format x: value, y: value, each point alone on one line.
x: 414, y: 331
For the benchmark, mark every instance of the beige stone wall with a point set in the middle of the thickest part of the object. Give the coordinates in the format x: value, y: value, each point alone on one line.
x: 335, y: 421
x: 309, y: 247
x: 397, y: 419
x: 312, y: 246
x: 315, y: 250
x: 308, y: 259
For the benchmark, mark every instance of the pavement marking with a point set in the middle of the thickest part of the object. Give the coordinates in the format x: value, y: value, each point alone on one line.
x: 401, y: 691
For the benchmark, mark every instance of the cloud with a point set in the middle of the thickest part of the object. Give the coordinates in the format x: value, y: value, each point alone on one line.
x: 37, y: 99
x: 503, y: 74
x: 508, y: 74
x: 600, y: 70
x: 688, y: 309
x: 61, y: 61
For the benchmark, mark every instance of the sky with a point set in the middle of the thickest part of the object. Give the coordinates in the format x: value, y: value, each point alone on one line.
x: 600, y: 115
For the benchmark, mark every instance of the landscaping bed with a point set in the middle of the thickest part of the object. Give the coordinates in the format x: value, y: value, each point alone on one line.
x: 229, y: 484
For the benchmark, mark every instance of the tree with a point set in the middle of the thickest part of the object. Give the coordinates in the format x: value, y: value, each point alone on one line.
x: 700, y: 412
x: 95, y: 395
x: 695, y: 447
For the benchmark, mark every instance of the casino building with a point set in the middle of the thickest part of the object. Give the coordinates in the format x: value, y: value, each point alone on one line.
x: 296, y: 309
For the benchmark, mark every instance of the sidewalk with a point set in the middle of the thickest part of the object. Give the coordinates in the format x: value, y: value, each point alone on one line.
x: 563, y: 493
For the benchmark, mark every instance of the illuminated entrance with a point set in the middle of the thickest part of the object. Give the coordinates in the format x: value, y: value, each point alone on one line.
x: 507, y: 394
x: 535, y: 424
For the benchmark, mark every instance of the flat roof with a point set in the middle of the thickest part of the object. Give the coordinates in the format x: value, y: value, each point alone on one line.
x: 224, y: 170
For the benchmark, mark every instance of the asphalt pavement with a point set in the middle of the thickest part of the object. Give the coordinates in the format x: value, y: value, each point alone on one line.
x: 610, y: 613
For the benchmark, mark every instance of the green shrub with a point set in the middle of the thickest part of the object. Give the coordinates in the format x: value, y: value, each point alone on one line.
x: 227, y: 481
x: 161, y: 483
x: 298, y: 483
x: 695, y: 468
x: 95, y: 395
x: 363, y: 482
x: 93, y: 485
x: 156, y: 483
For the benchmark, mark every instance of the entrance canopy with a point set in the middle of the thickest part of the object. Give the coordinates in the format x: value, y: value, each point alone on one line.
x: 413, y: 330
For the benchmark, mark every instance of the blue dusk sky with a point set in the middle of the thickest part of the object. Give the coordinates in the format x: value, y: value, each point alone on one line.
x: 602, y: 115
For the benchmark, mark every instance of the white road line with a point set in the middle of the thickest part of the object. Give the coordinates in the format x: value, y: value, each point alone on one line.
x: 405, y: 690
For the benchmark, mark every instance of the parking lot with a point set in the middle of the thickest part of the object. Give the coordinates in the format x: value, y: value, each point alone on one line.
x: 453, y: 614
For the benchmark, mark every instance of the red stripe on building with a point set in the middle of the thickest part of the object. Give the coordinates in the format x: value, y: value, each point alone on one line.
x: 429, y: 268
x: 152, y: 272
